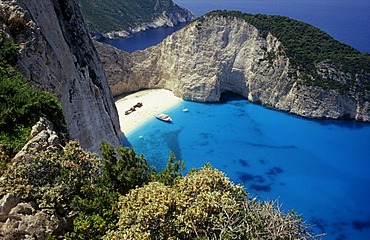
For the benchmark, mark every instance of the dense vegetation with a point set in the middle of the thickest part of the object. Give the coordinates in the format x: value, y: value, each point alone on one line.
x: 120, y: 197
x: 70, y: 180
x: 114, y: 15
x: 21, y: 105
x: 98, y: 201
x: 307, y: 45
x: 204, y: 204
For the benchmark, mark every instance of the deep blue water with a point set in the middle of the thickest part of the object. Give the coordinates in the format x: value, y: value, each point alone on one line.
x: 142, y: 40
x: 347, y: 21
x: 319, y: 168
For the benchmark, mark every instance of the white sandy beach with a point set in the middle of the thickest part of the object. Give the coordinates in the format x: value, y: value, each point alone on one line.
x: 154, y: 101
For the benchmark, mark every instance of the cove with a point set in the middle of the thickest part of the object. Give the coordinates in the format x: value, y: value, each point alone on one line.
x: 318, y: 168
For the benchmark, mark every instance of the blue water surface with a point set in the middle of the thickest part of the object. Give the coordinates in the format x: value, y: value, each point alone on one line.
x: 346, y: 21
x: 142, y: 40
x: 318, y: 168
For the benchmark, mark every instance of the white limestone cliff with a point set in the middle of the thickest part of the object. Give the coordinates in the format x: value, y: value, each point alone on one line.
x: 217, y: 54
x: 58, y: 55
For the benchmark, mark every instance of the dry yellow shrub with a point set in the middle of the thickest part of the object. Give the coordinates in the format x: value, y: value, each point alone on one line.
x: 204, y: 204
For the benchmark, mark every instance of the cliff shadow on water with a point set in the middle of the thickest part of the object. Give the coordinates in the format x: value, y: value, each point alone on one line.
x: 124, y: 141
x: 229, y: 96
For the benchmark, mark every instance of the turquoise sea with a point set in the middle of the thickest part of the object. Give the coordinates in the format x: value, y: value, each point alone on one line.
x: 318, y: 168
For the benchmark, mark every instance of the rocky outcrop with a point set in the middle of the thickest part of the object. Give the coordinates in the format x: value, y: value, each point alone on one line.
x: 20, y: 220
x: 217, y: 54
x: 42, y: 137
x: 58, y: 55
x: 118, y: 70
x: 24, y: 220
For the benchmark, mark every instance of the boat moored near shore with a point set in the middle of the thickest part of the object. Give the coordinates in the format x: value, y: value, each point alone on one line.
x: 164, y: 117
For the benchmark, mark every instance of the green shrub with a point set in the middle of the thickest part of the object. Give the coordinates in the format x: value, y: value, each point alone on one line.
x: 122, y: 170
x: 4, y: 159
x: 204, y: 200
x: 8, y: 53
x: 21, y: 105
x: 146, y: 213
x: 204, y: 204
x: 172, y: 171
x: 52, y: 178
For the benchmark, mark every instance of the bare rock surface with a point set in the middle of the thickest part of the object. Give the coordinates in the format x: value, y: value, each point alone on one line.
x: 23, y: 220
x: 42, y: 137
x: 58, y: 55
x: 20, y: 220
x: 217, y: 54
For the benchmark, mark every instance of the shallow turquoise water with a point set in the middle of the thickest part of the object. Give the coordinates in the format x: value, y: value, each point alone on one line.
x: 319, y: 168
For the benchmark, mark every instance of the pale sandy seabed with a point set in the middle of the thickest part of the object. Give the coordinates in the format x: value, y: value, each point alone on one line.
x: 154, y: 101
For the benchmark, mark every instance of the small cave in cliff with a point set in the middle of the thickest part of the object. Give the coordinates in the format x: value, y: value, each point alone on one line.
x: 230, y: 96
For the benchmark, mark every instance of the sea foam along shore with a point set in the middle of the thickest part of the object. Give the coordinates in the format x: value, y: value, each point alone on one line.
x: 154, y: 101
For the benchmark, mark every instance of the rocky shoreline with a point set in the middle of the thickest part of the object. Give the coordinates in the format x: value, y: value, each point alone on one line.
x: 161, y: 19
x: 216, y: 54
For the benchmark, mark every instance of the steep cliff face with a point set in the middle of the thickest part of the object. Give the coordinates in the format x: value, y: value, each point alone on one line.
x: 217, y: 53
x: 57, y: 54
x: 116, y: 18
x: 119, y: 68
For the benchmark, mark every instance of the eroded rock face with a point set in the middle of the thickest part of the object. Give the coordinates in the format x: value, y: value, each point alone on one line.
x: 218, y: 54
x: 57, y: 54
x: 19, y: 220
x: 42, y: 137
x: 118, y: 69
x: 23, y: 220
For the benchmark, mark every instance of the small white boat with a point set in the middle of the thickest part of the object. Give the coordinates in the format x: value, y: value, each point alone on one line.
x: 185, y: 110
x: 164, y: 117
